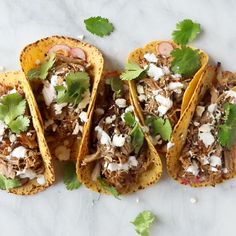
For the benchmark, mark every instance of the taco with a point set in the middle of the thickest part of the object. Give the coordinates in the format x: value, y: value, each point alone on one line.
x: 159, y: 94
x: 64, y: 74
x: 25, y: 161
x: 116, y: 155
x: 203, y: 146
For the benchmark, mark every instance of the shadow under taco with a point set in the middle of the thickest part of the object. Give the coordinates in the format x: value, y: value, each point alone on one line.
x: 25, y: 161
x: 64, y: 74
x: 116, y: 155
x: 202, y: 151
x: 158, y: 92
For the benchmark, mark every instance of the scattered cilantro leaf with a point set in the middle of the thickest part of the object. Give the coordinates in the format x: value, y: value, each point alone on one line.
x: 186, y: 31
x: 160, y: 126
x: 42, y: 71
x: 132, y: 71
x: 186, y: 61
x: 137, y: 138
x: 70, y: 177
x: 115, y: 83
x: 129, y: 119
x: 108, y: 188
x: 227, y: 131
x: 6, y: 183
x: 99, y: 26
x: 143, y: 221
x: 77, y: 83
x: 12, y: 108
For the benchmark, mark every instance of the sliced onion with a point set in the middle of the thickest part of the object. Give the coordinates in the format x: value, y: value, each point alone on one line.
x: 59, y: 47
x: 78, y: 53
x: 164, y: 48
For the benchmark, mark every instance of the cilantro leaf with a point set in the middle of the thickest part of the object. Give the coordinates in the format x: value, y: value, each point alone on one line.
x: 143, y: 221
x: 186, y: 31
x: 115, y: 83
x: 12, y: 108
x: 129, y: 119
x: 99, y: 26
x: 76, y: 84
x: 227, y: 131
x: 42, y: 71
x: 108, y: 188
x: 186, y: 61
x: 70, y: 177
x: 6, y: 183
x: 160, y: 126
x: 132, y: 71
x: 137, y: 138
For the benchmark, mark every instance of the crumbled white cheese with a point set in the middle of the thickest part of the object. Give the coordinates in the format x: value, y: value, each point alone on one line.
x: 83, y: 116
x: 54, y: 80
x: 19, y: 152
x: 41, y: 179
x: 85, y: 101
x: 200, y: 110
x: 110, y: 119
x: 215, y: 161
x: 26, y: 173
x: 118, y: 140
x: 195, y: 123
x: 205, y: 135
x: 140, y: 89
x: 214, y: 169
x: 231, y: 94
x: 80, y: 37
x: 132, y: 162
x: 175, y: 86
x: 193, y: 200
x: 194, y: 169
x: 150, y: 57
x: 120, y: 102
x: 102, y: 136
x: 177, y: 76
x: 169, y: 145
x: 12, y: 138
x: 129, y: 109
x: 166, y: 70
x: 165, y: 104
x: 49, y: 93
x: 76, y: 129
x: 2, y: 128
x: 205, y: 160
x: 142, y: 97
x: 155, y: 72
x: 211, y: 108
x: 58, y: 107
x: 62, y: 153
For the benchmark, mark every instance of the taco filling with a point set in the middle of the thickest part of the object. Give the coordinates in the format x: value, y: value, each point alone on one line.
x: 118, y: 143
x: 20, y: 158
x: 160, y: 89
x: 61, y: 85
x: 208, y: 154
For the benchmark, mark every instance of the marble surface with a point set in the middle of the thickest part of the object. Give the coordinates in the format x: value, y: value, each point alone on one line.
x: 58, y: 212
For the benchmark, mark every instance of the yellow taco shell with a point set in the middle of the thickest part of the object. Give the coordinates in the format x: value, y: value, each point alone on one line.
x: 37, y: 51
x: 151, y: 176
x: 18, y: 78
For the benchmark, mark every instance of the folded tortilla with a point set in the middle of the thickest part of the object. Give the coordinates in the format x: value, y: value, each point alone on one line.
x: 84, y: 172
x: 180, y: 134
x: 37, y: 52
x: 137, y: 55
x: 17, y: 78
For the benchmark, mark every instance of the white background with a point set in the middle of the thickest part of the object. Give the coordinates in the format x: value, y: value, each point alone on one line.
x: 62, y: 213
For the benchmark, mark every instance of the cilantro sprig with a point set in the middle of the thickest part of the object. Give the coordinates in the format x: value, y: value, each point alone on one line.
x: 108, y: 188
x: 99, y: 26
x: 41, y: 72
x: 143, y: 222
x: 70, y: 177
x: 186, y: 31
x: 137, y: 136
x: 115, y: 83
x: 12, y: 109
x: 227, y: 131
x: 76, y: 84
x: 7, y: 183
x: 159, y: 126
x: 133, y: 71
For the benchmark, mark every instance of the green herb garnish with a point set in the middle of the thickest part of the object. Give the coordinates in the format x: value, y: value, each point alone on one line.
x: 42, y: 71
x: 7, y: 183
x: 143, y: 221
x: 115, y: 83
x: 12, y: 108
x: 108, y: 188
x: 70, y: 177
x: 99, y: 26
x: 133, y: 71
x: 76, y: 84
